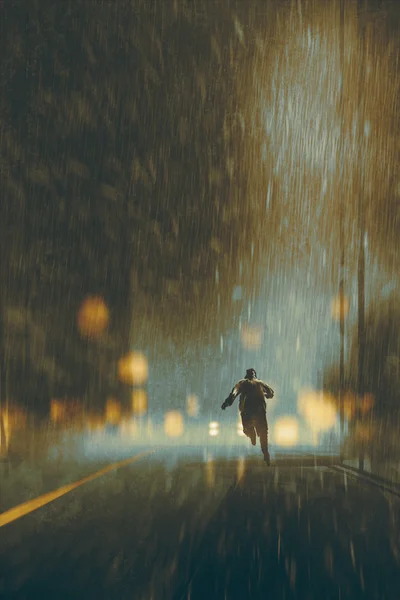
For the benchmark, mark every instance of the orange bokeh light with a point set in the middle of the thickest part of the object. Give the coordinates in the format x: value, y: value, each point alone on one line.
x: 213, y: 428
x: 349, y: 405
x: 339, y: 311
x: 113, y: 411
x: 286, y: 431
x: 17, y: 417
x: 93, y: 317
x: 139, y: 402
x: 58, y: 410
x: 350, y: 401
x: 173, y: 423
x: 318, y: 409
x: 367, y: 403
x: 133, y: 369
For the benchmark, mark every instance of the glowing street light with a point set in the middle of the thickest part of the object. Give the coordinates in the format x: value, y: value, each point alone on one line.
x: 93, y: 317
x: 286, y: 431
x: 173, y: 423
x: 139, y: 402
x: 133, y: 369
x: 318, y: 409
x: 213, y: 428
x: 113, y: 411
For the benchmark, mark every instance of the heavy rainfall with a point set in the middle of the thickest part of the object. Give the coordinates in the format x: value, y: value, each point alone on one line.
x: 189, y: 189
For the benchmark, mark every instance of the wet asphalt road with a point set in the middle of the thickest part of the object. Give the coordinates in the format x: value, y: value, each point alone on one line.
x: 204, y: 529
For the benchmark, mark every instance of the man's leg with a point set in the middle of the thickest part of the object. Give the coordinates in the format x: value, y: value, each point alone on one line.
x: 248, y: 428
x: 262, y: 432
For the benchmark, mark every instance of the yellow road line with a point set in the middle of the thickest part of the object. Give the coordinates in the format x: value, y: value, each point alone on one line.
x: 27, y: 507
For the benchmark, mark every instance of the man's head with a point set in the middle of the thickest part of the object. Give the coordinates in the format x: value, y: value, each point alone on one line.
x: 251, y: 374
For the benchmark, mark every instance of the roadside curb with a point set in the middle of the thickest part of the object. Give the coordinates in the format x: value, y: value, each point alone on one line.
x: 375, y: 480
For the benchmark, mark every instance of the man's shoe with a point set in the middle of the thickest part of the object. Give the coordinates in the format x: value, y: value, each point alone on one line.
x: 267, y: 458
x: 253, y: 437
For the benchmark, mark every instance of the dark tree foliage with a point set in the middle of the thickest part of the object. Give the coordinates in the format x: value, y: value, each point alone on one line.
x: 114, y: 173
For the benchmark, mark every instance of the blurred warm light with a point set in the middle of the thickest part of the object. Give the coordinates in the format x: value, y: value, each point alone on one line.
x: 213, y: 428
x: 251, y: 336
x: 113, y: 411
x: 192, y: 405
x: 318, y: 409
x: 133, y: 369
x: 58, y: 410
x: 367, y: 403
x: 349, y: 405
x: 93, y: 317
x: 139, y: 402
x: 339, y: 312
x: 17, y: 417
x: 286, y: 431
x: 173, y: 423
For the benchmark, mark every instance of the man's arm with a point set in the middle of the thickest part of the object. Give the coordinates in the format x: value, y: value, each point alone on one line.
x: 268, y: 391
x: 232, y: 396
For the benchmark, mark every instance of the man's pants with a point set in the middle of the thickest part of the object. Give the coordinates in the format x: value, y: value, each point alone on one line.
x: 259, y: 423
